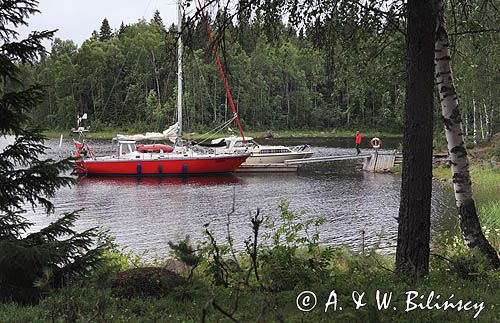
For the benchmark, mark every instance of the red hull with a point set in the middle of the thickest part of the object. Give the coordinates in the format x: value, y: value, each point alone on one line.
x: 159, y: 167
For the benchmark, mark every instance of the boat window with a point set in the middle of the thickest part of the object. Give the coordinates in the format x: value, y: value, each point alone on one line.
x: 274, y: 151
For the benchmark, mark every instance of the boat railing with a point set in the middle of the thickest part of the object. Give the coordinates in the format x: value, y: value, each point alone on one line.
x: 302, y: 148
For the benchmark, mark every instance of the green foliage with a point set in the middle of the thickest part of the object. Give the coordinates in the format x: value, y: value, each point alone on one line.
x: 184, y: 251
x: 288, y: 256
x: 145, y: 281
x: 278, y: 82
x: 453, y: 257
x: 105, y: 31
x: 32, y: 262
x: 157, y: 19
x: 216, y: 256
x: 153, y: 294
x: 294, y: 256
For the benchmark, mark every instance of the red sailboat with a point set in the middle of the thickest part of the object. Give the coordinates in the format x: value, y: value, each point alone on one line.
x: 157, y: 160
x: 153, y: 161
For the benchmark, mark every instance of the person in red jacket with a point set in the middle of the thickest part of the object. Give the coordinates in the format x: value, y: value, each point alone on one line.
x: 358, y: 142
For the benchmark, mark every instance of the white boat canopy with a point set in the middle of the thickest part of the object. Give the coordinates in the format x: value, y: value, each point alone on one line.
x: 170, y: 134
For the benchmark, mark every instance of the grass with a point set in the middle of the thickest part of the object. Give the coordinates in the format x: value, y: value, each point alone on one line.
x: 83, y: 301
x: 441, y: 172
x: 490, y: 215
x: 487, y: 176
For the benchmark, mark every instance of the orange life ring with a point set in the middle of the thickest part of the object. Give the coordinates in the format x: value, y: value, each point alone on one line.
x: 376, y: 143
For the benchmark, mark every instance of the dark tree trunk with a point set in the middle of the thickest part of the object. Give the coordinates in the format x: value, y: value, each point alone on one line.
x: 412, y: 253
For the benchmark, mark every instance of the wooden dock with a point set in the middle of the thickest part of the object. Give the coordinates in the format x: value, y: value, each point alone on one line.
x: 267, y: 168
x: 382, y: 162
x: 324, y: 159
x: 376, y: 162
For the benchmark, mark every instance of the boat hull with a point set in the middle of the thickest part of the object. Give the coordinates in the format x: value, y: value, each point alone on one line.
x: 257, y: 158
x: 159, y: 167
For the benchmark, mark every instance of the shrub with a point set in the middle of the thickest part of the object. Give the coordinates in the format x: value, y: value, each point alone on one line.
x: 293, y: 256
x: 145, y: 281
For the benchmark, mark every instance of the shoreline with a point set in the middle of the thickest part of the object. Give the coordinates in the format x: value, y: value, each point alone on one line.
x: 110, y: 134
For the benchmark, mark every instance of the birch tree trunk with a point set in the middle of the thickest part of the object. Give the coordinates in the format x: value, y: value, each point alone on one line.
x: 156, y: 78
x: 469, y: 221
x: 481, y: 124
x: 488, y: 124
x: 466, y: 139
x: 474, y: 117
x: 412, y: 252
x: 490, y: 117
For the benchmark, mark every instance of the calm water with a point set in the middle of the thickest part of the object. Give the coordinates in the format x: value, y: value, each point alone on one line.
x: 145, y: 213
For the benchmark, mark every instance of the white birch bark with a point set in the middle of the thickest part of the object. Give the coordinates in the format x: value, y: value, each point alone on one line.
x: 488, y: 123
x: 481, y: 124
x: 466, y: 139
x: 469, y: 221
x: 474, y: 121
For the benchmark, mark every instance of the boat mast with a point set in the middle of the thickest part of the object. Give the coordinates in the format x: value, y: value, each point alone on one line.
x: 228, y: 92
x: 179, y: 72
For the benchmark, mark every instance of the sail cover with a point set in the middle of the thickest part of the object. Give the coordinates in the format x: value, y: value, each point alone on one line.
x: 170, y: 134
x: 219, y: 143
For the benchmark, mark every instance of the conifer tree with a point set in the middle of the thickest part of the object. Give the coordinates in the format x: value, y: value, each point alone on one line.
x: 55, y: 254
x: 95, y: 35
x: 121, y: 31
x: 412, y: 251
x: 157, y: 19
x: 105, y: 32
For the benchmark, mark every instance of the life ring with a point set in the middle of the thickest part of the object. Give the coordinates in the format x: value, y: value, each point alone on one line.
x: 376, y: 143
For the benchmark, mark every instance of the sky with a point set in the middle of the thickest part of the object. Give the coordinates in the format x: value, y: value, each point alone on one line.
x: 76, y: 19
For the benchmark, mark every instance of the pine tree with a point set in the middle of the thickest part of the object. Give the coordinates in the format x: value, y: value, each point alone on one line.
x: 412, y: 252
x: 105, y: 32
x: 122, y: 29
x: 95, y: 35
x: 57, y: 253
x: 157, y: 19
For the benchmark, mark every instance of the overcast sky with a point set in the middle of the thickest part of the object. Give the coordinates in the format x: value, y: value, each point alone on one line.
x: 76, y: 19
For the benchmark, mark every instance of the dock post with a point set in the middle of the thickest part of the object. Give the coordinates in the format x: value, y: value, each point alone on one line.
x: 375, y: 162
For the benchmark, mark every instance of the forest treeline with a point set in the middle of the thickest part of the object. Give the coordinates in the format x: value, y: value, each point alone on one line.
x: 280, y: 77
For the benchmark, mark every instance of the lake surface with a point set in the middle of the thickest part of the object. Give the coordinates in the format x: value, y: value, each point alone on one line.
x: 143, y: 214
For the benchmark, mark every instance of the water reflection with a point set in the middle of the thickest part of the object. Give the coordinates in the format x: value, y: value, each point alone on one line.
x: 220, y: 179
x: 144, y: 213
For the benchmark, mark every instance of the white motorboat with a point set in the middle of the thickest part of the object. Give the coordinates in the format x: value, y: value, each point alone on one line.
x: 259, y: 154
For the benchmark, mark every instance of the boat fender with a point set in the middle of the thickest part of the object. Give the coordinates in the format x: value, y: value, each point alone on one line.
x: 184, y: 168
x: 160, y: 169
x: 376, y: 143
x: 139, y: 169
